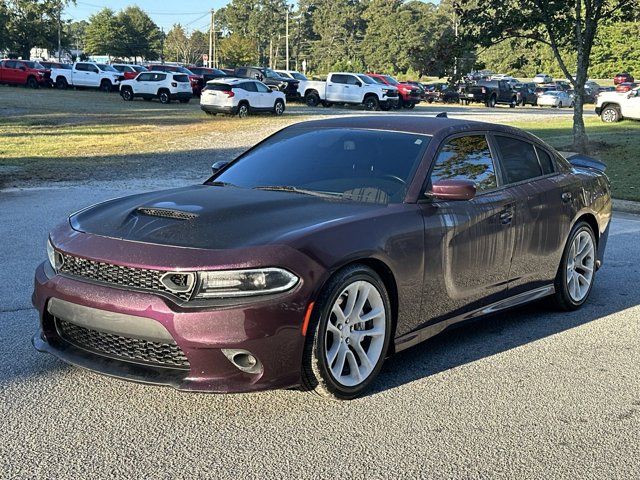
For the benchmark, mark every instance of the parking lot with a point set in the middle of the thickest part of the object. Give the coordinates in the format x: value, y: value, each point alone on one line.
x: 530, y: 393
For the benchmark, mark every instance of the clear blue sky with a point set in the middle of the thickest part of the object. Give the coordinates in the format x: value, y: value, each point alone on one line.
x: 190, y: 13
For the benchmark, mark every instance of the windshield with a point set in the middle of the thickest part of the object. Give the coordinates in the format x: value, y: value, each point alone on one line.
x: 186, y: 71
x: 138, y: 68
x: 271, y: 74
x: 391, y: 80
x: 366, y: 79
x: 377, y: 80
x: 106, y: 68
x: 354, y: 164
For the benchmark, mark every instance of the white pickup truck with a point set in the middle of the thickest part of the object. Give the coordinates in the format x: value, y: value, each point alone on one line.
x: 613, y: 106
x: 351, y: 88
x: 87, y: 74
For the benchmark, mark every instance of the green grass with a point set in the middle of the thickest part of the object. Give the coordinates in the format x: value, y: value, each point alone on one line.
x: 618, y: 145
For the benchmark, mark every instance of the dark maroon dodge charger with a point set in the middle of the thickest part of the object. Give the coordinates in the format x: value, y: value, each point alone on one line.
x: 319, y: 252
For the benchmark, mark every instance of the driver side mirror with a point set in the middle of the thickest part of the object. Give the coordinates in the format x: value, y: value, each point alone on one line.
x: 453, y: 190
x: 217, y: 166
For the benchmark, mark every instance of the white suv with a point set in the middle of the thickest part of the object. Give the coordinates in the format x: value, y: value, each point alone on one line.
x: 165, y: 86
x: 614, y: 106
x: 241, y: 96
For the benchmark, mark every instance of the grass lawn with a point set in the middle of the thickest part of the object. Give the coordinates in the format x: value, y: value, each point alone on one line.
x: 51, y: 135
x: 618, y: 145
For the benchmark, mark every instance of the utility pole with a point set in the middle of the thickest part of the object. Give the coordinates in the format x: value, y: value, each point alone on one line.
x: 287, y: 35
x: 210, y: 59
x: 59, y: 32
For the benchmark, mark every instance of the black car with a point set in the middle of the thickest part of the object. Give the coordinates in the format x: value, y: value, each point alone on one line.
x: 288, y: 86
x: 441, y: 92
x: 526, y: 93
x: 489, y: 92
x: 208, y: 73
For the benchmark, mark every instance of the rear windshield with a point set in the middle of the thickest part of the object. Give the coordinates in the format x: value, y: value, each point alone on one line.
x: 33, y: 65
x: 138, y: 68
x: 181, y: 78
x: 221, y: 87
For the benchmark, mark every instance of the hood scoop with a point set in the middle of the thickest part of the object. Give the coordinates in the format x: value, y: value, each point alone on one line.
x: 166, y: 213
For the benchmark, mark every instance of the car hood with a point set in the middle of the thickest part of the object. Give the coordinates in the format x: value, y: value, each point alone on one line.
x: 213, y: 217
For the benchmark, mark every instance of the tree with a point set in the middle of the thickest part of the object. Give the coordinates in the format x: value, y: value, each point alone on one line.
x: 187, y: 49
x: 102, y: 33
x: 237, y: 50
x: 563, y: 25
x: 30, y: 23
x: 617, y: 49
x: 139, y: 35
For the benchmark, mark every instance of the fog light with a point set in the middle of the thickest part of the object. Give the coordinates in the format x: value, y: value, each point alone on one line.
x: 243, y: 360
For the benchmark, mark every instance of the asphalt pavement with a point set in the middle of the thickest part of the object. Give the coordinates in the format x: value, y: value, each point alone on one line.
x: 530, y: 393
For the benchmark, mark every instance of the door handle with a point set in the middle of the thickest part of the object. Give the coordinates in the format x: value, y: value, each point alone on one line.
x: 566, y: 197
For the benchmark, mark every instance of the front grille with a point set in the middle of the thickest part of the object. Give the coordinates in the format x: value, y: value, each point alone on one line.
x: 123, y: 348
x: 117, y: 275
x: 392, y: 93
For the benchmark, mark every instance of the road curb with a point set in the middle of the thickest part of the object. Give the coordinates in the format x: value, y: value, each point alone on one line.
x: 626, y: 206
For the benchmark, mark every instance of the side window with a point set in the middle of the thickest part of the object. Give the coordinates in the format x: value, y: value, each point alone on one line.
x: 10, y: 64
x: 466, y: 158
x: 545, y: 161
x: 339, y: 79
x: 242, y: 72
x: 159, y: 77
x: 351, y: 80
x: 120, y: 68
x: 249, y: 86
x: 262, y: 88
x: 144, y: 77
x: 519, y: 159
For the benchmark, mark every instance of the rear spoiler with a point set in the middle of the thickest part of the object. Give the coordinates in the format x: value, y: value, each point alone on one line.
x: 583, y: 161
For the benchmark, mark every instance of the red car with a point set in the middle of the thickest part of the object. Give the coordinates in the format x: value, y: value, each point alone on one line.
x: 409, y: 94
x: 623, y: 78
x: 197, y: 82
x: 24, y: 72
x: 625, y: 87
x: 129, y: 71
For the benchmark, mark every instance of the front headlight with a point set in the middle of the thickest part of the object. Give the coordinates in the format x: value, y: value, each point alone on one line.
x: 244, y: 283
x: 55, y: 259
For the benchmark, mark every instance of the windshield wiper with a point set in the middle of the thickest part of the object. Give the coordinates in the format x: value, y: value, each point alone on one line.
x: 222, y: 184
x: 302, y: 191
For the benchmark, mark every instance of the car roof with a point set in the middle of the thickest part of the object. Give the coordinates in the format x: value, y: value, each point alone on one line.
x: 230, y: 80
x: 435, y: 126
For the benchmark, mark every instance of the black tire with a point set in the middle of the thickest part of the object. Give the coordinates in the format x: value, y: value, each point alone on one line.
x: 400, y: 104
x: 61, y: 83
x: 429, y: 100
x: 243, y: 110
x: 164, y: 97
x: 326, y: 104
x: 385, y: 107
x: 513, y: 103
x: 278, y: 108
x: 105, y: 86
x: 127, y: 94
x: 491, y: 103
x: 312, y: 99
x: 316, y: 373
x: 32, y: 82
x: 409, y: 105
x: 371, y: 103
x: 562, y: 298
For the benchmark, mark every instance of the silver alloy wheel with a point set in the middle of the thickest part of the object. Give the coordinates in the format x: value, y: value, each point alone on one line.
x: 279, y: 108
x: 580, y: 266
x: 355, y: 334
x: 243, y: 111
x: 609, y: 115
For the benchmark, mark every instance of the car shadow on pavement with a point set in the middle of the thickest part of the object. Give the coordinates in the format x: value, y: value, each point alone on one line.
x: 482, y: 338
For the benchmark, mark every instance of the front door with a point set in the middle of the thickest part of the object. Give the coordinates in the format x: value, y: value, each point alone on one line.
x: 266, y: 97
x: 471, y: 241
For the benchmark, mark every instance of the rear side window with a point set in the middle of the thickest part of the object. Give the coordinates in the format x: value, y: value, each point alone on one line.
x: 261, y: 87
x: 181, y: 78
x: 545, y: 161
x: 466, y: 158
x: 249, y: 86
x: 519, y: 159
x: 82, y: 67
x: 339, y: 79
x: 159, y: 77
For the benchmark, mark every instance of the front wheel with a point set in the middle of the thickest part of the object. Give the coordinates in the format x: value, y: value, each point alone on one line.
x: 371, y: 103
x: 32, y: 82
x: 611, y: 114
x: 105, y: 86
x: 278, y: 108
x: 127, y: 94
x: 348, y: 335
x: 576, y: 274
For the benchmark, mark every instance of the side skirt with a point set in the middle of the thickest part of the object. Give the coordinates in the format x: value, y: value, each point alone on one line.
x: 418, y: 336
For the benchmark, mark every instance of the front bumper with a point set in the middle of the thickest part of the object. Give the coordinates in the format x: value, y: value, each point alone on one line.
x: 598, y: 110
x: 270, y: 329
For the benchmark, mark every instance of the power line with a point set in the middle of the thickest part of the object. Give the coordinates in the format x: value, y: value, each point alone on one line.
x: 86, y: 4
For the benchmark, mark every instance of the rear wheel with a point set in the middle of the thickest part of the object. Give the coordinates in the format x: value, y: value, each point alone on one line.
x: 348, y: 337
x: 61, y: 83
x: 576, y: 274
x: 278, y: 108
x: 611, y: 114
x: 243, y: 110
x: 491, y: 103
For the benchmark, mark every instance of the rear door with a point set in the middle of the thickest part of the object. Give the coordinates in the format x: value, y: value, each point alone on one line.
x: 543, y: 210
x: 470, y: 241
